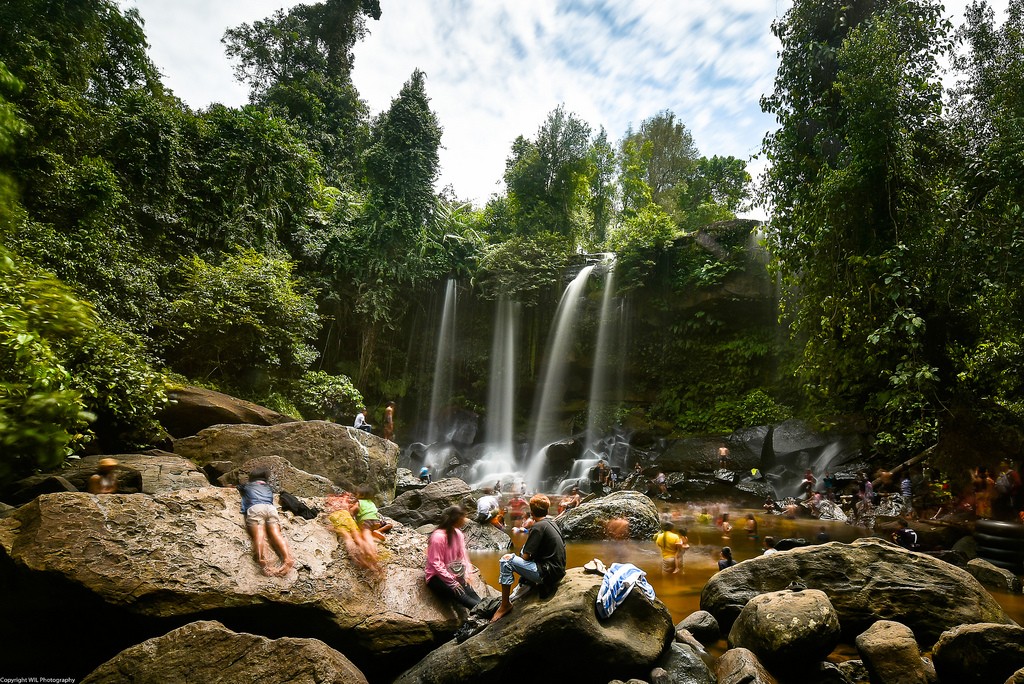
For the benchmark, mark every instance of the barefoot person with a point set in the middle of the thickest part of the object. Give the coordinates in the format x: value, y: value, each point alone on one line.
x: 542, y: 561
x: 105, y: 480
x: 447, y: 561
x: 261, y: 521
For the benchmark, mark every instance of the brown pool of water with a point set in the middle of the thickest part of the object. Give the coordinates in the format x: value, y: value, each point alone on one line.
x: 681, y: 592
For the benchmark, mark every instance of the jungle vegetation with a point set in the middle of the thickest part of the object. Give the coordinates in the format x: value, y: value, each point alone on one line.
x: 288, y: 251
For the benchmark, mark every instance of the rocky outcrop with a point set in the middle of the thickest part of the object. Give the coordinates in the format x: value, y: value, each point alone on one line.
x: 561, y: 632
x: 865, y: 581
x: 485, y: 537
x: 339, y: 453
x: 283, y: 475
x: 979, y: 653
x: 741, y: 666
x: 680, y: 663
x: 144, y: 564
x: 152, y: 472
x: 192, y: 409
x: 994, y: 577
x: 788, y: 631
x: 702, y: 625
x: 424, y: 506
x: 406, y: 481
x: 207, y: 651
x: 588, y: 520
x: 891, y: 655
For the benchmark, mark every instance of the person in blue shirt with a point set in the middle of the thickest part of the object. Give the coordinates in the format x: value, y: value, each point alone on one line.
x: 262, y: 522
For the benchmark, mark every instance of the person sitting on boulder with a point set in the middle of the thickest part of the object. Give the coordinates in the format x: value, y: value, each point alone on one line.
x: 569, y: 502
x: 769, y: 546
x: 367, y: 515
x: 542, y: 562
x: 447, y: 561
x: 425, y: 474
x: 262, y: 522
x: 905, y: 536
x: 105, y: 480
x: 487, y: 509
x: 361, y: 423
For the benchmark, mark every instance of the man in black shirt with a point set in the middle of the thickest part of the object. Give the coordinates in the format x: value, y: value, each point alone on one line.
x: 543, y: 559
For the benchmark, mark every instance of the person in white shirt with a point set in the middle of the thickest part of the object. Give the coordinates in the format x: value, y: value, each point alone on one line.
x: 769, y: 547
x: 361, y: 423
x: 487, y: 506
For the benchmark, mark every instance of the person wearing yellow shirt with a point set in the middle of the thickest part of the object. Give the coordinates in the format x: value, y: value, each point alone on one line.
x: 672, y: 546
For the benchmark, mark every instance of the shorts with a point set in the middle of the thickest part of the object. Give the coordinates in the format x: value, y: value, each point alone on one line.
x: 260, y: 514
x: 342, y: 521
x: 668, y: 564
x: 372, y: 524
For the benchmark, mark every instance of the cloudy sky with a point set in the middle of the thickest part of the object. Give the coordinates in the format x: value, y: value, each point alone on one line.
x: 495, y: 68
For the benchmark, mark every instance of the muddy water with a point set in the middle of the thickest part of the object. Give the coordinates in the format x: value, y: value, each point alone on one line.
x: 681, y: 592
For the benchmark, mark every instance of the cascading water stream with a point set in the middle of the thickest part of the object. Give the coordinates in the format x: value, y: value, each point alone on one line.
x: 499, y: 457
x: 444, y: 366
x: 598, y: 404
x: 551, y: 390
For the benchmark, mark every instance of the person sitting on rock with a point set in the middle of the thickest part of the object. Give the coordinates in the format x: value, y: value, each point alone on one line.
x: 487, y: 509
x: 262, y: 522
x: 542, y: 562
x: 769, y: 546
x: 905, y: 536
x: 447, y: 561
x: 105, y: 479
x: 425, y: 474
x: 361, y: 423
x: 367, y: 515
x: 569, y: 502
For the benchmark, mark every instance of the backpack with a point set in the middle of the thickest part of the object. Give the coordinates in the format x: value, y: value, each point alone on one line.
x: 291, y: 503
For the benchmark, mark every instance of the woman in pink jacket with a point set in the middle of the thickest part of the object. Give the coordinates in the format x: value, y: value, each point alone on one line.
x: 447, y: 562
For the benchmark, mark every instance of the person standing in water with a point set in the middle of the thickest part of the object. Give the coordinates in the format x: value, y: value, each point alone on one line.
x: 672, y: 547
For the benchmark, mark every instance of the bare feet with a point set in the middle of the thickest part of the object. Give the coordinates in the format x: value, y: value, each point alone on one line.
x: 503, y: 610
x: 266, y: 569
x: 284, y: 568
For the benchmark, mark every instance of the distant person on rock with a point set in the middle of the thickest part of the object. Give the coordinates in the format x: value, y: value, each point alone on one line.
x: 905, y: 536
x: 723, y: 457
x: 542, y: 562
x: 661, y: 482
x: 361, y: 423
x: 425, y: 474
x: 262, y: 522
x: 389, y: 422
x: 105, y: 479
x: 569, y: 502
x: 447, y: 561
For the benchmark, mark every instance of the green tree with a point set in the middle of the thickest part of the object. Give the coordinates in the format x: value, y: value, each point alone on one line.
x: 298, y: 63
x: 852, y: 192
x: 252, y: 317
x: 668, y: 158
x: 714, y: 190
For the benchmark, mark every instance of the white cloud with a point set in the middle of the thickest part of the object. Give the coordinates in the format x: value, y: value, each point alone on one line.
x: 495, y: 68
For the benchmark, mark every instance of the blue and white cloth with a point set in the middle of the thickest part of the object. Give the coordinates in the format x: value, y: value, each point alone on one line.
x: 618, y: 581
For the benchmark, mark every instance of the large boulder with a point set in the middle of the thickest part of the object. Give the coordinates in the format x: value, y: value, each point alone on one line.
x: 207, y: 651
x: 681, y: 664
x: 891, y: 655
x: 283, y: 475
x: 339, y: 453
x: 191, y: 409
x: 424, y: 506
x: 588, y: 520
x: 563, y: 633
x: 152, y: 472
x: 994, y: 577
x: 979, y: 653
x: 867, y: 580
x: 788, y: 631
x: 485, y: 537
x: 140, y: 565
x: 702, y: 625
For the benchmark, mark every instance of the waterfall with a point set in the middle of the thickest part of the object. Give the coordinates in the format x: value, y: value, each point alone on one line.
x: 444, y: 367
x: 499, y: 457
x: 551, y: 390
x: 598, y: 404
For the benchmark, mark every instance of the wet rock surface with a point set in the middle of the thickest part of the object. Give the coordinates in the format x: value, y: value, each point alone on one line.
x: 589, y: 520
